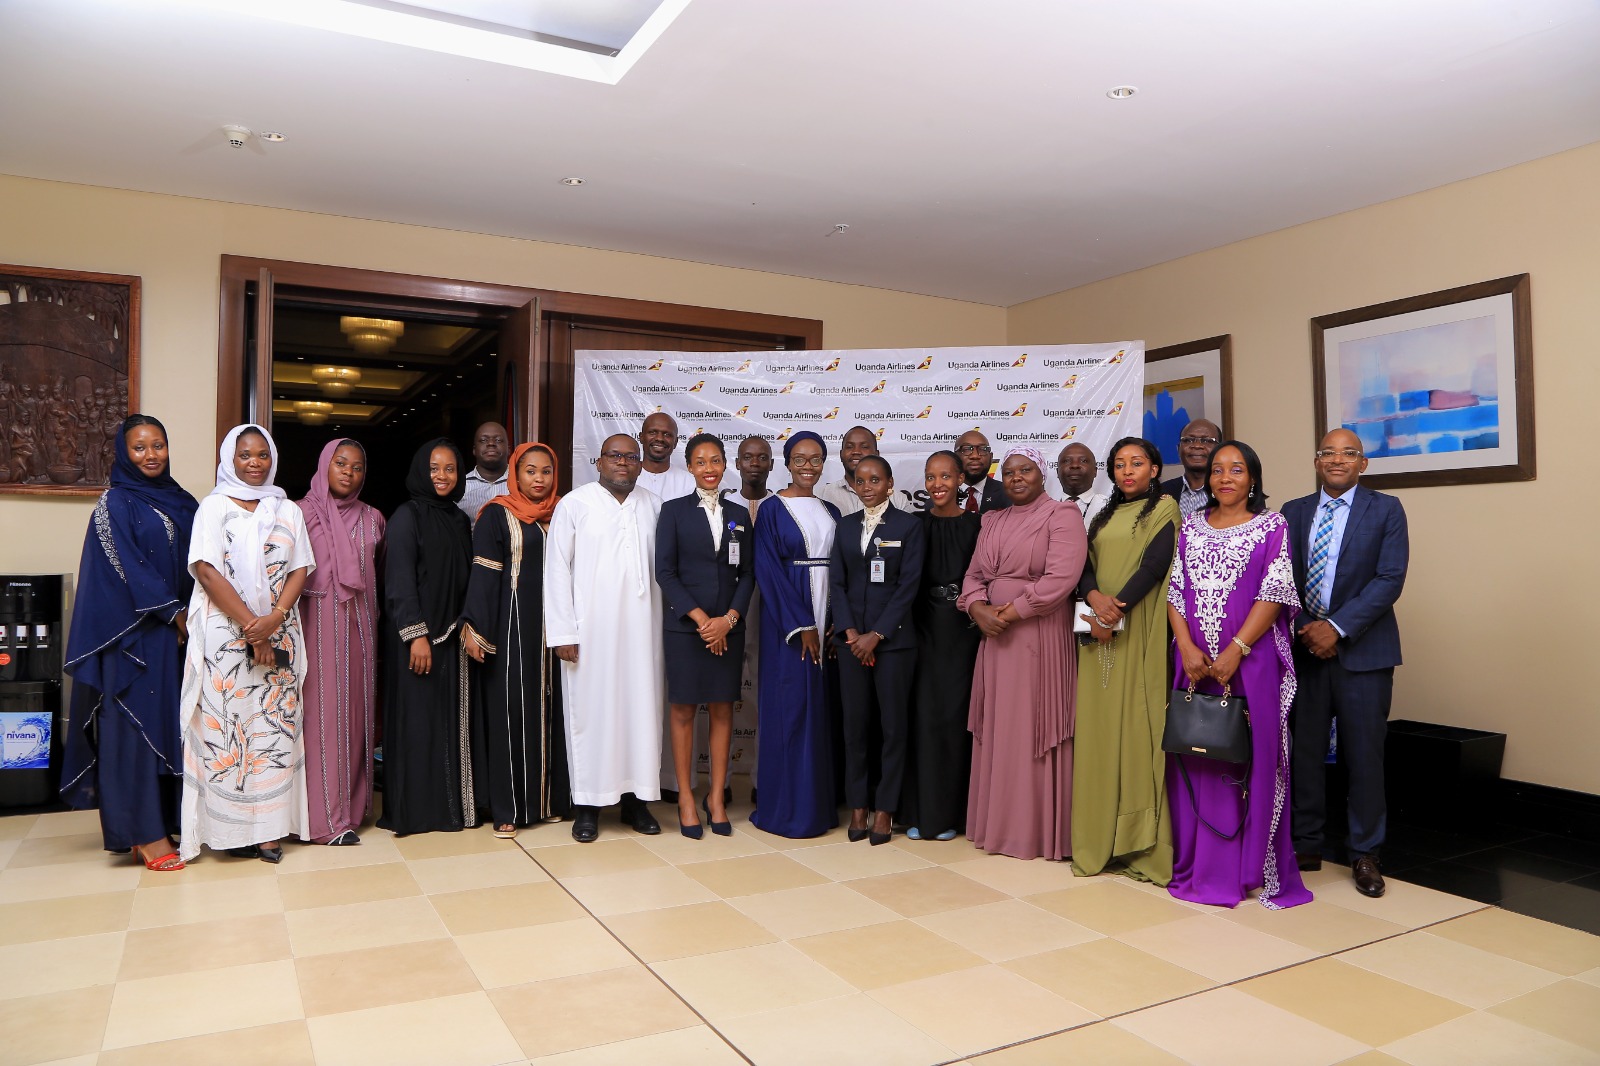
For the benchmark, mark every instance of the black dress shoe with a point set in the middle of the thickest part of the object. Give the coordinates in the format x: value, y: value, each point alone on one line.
x: 1367, y: 876
x: 249, y: 851
x: 1309, y: 863
x: 585, y: 824
x: 855, y: 835
x: 722, y: 829
x: 637, y: 814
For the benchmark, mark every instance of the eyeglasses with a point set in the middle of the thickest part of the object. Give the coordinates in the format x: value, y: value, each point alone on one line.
x: 618, y: 457
x: 806, y: 460
x: 1198, y: 440
x: 971, y: 449
x: 1324, y: 454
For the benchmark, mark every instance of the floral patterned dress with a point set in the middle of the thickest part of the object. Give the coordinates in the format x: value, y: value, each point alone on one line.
x: 243, y: 755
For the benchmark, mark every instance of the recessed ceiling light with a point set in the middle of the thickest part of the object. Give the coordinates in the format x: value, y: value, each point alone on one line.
x: 572, y: 181
x: 1122, y: 92
x: 275, y: 138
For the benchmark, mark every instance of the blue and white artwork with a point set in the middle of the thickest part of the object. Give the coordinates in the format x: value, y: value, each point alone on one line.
x: 1179, y: 389
x: 24, y: 741
x: 1429, y: 390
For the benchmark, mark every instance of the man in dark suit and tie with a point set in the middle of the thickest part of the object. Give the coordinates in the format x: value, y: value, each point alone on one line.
x: 979, y: 492
x: 1350, y: 550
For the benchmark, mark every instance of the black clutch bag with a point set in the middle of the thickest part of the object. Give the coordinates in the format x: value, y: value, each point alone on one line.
x: 1207, y: 727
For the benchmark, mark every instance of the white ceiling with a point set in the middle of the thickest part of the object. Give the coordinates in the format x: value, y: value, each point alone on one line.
x: 969, y: 146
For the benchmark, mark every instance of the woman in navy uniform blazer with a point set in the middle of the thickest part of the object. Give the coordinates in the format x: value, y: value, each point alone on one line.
x: 704, y: 565
x: 875, y: 570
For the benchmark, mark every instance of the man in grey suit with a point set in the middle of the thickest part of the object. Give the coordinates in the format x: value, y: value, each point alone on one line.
x: 1350, y: 550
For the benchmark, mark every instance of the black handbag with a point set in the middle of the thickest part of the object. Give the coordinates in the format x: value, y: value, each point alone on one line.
x: 1207, y: 727
x: 1210, y: 727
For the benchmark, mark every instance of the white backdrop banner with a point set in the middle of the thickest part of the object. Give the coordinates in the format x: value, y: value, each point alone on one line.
x: 916, y: 400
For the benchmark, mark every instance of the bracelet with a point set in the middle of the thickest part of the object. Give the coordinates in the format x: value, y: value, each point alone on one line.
x: 1244, y: 649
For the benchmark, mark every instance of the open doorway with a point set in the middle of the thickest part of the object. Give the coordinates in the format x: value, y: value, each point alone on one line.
x: 388, y: 379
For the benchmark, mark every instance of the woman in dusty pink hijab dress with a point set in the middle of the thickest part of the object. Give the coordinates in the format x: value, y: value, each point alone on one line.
x: 1017, y: 589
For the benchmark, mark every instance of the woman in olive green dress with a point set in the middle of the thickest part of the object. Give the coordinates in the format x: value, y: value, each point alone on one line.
x: 1120, y: 818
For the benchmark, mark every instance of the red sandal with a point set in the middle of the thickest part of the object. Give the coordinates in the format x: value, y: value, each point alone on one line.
x: 167, y: 863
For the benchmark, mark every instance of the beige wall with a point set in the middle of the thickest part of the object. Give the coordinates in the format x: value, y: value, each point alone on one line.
x: 1501, y: 597
x: 175, y: 245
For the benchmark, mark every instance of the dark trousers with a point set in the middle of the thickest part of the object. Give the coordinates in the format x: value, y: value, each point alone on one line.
x: 1360, y: 702
x: 878, y: 694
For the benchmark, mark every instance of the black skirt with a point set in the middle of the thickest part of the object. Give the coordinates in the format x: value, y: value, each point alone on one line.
x: 694, y: 675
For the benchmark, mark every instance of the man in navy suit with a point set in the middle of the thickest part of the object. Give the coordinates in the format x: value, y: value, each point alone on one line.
x: 1350, y: 549
x: 979, y: 492
x: 874, y: 572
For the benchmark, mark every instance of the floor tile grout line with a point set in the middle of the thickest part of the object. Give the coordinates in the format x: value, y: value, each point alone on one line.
x: 635, y: 955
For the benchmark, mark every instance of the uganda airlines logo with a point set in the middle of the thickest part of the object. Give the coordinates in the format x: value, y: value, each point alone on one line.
x: 789, y: 387
x: 785, y: 434
x: 927, y: 361
x: 1021, y: 360
x: 879, y: 387
x: 740, y: 412
x: 1072, y: 431
x: 1019, y: 412
x: 1115, y: 410
x: 743, y: 366
x: 1115, y: 359
x: 831, y: 414
x: 657, y: 365
x: 974, y: 386
x: 925, y: 412
x: 697, y: 386
x: 833, y: 365
x: 880, y: 434
x: 1070, y: 383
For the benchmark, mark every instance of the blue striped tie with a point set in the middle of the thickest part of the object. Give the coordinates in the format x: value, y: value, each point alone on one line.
x: 1319, y: 560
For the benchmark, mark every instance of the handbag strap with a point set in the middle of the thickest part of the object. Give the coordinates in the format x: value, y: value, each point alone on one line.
x: 1244, y: 795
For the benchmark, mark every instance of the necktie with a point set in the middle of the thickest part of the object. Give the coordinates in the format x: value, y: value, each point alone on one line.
x: 974, y: 497
x: 1318, y: 568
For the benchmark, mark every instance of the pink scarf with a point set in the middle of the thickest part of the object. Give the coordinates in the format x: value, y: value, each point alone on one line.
x: 331, y: 523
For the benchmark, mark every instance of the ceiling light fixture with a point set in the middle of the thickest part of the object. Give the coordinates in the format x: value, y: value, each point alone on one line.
x: 275, y: 138
x: 1122, y: 92
x: 312, y: 412
x: 336, y: 380
x: 371, y: 336
x: 572, y: 181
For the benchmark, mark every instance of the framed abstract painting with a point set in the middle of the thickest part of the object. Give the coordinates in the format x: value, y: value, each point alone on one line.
x: 1439, y: 388
x: 69, y: 375
x: 1183, y: 382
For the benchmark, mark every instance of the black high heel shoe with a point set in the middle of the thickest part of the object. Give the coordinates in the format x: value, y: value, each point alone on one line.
x: 853, y: 834
x: 693, y: 832
x: 875, y: 838
x: 722, y: 829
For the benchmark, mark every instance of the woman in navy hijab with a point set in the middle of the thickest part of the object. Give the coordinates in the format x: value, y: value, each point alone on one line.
x: 124, y: 751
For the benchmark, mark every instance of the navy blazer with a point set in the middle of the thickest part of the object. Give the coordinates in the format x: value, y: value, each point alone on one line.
x: 855, y: 601
x: 1371, y: 571
x: 692, y: 572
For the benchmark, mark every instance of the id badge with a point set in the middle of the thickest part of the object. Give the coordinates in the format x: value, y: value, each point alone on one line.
x: 733, y: 552
x: 877, y: 572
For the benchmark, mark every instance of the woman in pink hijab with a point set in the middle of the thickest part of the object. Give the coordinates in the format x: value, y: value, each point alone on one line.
x: 1027, y: 562
x: 339, y: 610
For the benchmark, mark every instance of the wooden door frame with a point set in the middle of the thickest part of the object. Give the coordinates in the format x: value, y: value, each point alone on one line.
x: 398, y: 292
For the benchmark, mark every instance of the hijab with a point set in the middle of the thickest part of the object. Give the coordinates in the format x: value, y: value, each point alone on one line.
x: 331, y: 523
x: 518, y: 502
x: 249, y: 559
x: 804, y: 434
x: 444, y: 539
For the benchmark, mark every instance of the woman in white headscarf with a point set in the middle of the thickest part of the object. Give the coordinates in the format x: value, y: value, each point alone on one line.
x: 244, y: 784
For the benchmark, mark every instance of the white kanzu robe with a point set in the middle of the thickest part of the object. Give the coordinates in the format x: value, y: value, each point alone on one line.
x: 600, y: 594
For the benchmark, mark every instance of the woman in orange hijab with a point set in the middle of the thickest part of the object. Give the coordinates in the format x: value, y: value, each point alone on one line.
x: 519, y: 747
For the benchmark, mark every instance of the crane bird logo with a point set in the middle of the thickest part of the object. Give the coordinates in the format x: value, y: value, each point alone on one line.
x: 786, y: 389
x: 1022, y: 360
x: 926, y: 411
x: 1072, y: 431
x: 882, y: 383
x: 833, y: 365
x: 1070, y: 383
x: 927, y: 361
x: 1117, y: 410
x: 740, y: 412
x: 785, y: 434
x: 656, y: 365
x: 743, y: 367
x: 880, y: 434
x: 831, y: 414
x: 697, y: 386
x: 1115, y: 359
x: 974, y: 386
x: 1019, y: 412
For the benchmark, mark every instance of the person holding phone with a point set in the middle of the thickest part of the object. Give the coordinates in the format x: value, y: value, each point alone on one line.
x: 244, y: 785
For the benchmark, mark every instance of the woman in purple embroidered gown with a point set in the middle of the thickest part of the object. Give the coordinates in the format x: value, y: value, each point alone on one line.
x: 1231, y: 602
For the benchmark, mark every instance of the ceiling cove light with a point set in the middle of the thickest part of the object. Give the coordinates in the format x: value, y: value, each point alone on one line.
x: 572, y: 181
x: 437, y: 28
x: 1122, y: 92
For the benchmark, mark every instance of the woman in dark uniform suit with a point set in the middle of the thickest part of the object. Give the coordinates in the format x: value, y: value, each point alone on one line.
x: 875, y: 570
x: 704, y: 566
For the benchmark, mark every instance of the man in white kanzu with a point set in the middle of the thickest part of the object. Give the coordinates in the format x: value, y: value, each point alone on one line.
x: 602, y: 618
x: 658, y: 439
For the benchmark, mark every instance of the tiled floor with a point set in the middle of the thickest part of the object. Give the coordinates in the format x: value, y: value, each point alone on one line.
x: 464, y: 949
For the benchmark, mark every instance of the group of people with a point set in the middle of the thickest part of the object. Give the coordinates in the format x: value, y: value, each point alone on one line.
x: 981, y: 659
